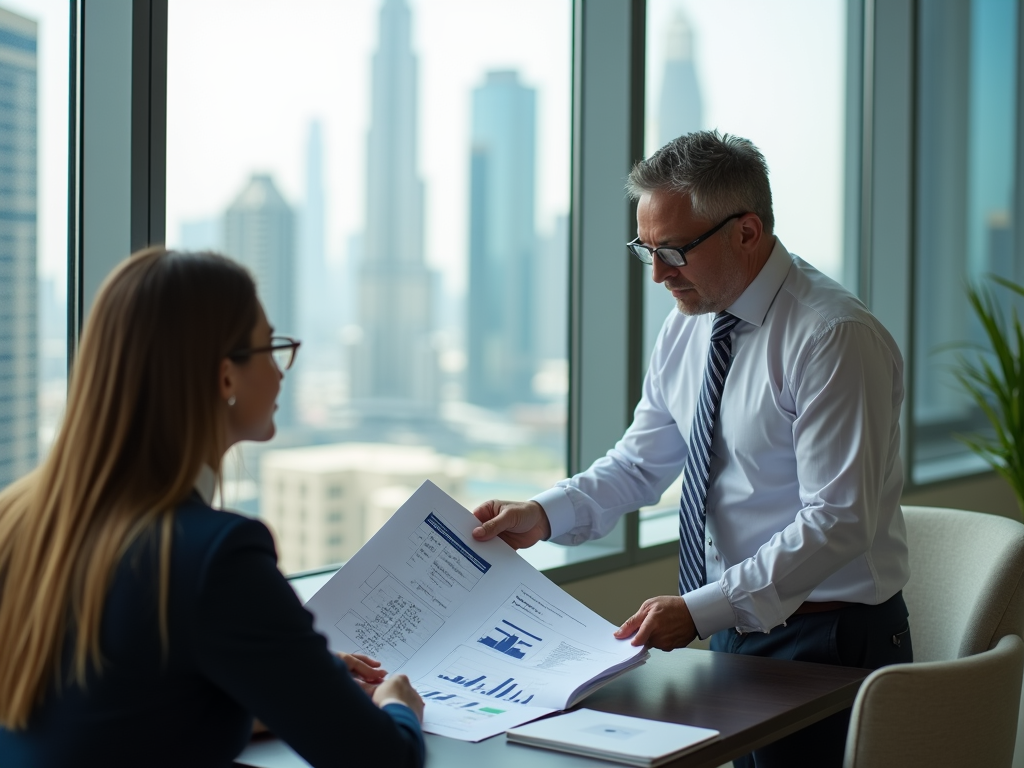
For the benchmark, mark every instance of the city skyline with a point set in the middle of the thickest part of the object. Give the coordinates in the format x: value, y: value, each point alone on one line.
x: 375, y: 395
x: 339, y: 96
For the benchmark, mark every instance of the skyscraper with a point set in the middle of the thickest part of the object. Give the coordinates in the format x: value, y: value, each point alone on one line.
x: 679, y: 104
x: 393, y: 361
x: 679, y: 112
x: 259, y: 231
x: 19, y: 375
x: 503, y: 242
x: 318, y: 318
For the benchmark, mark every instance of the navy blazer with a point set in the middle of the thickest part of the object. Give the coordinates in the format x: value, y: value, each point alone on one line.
x: 241, y: 645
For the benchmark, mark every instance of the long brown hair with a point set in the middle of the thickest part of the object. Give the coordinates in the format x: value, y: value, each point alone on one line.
x: 143, y: 415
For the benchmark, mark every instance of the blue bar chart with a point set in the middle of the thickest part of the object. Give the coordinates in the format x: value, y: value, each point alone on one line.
x: 507, y: 690
x: 509, y: 640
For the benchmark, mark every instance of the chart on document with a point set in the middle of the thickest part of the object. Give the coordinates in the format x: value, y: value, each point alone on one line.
x: 397, y: 616
x: 531, y: 631
x: 523, y: 654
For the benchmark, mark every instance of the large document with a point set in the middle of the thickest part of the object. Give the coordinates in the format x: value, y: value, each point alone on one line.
x: 487, y: 640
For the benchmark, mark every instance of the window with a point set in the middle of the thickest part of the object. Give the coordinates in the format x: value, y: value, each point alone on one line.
x: 399, y: 186
x: 700, y: 57
x: 965, y: 189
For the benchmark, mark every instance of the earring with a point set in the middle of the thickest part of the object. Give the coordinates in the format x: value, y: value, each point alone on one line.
x: 231, y: 400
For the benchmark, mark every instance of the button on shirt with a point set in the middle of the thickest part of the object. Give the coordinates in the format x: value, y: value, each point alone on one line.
x: 803, y: 502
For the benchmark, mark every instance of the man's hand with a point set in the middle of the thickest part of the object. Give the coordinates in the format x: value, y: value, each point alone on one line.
x: 364, y: 670
x: 662, y: 622
x: 520, y: 524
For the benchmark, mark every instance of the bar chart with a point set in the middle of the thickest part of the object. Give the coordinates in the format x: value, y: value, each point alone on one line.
x: 510, y: 643
x: 480, y: 685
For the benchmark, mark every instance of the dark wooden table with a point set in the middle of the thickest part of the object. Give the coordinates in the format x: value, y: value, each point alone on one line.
x: 750, y: 701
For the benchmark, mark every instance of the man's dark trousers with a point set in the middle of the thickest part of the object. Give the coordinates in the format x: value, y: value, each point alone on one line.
x: 867, y: 636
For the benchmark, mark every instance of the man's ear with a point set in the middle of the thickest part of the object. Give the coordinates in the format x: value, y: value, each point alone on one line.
x: 751, y: 229
x: 227, y: 380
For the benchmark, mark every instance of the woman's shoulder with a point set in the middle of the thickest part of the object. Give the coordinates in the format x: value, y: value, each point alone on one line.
x: 203, y: 534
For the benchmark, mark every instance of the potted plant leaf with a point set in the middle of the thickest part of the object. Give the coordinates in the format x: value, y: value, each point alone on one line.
x: 994, y: 378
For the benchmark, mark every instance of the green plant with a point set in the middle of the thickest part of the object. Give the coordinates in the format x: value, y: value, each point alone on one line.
x: 995, y: 381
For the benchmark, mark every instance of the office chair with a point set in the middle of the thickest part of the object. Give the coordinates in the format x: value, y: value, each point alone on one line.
x: 966, y: 586
x: 950, y: 713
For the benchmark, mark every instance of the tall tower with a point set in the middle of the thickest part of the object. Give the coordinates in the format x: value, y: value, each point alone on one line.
x: 19, y: 374
x: 502, y: 349
x: 393, y: 363
x: 679, y: 105
x: 259, y: 231
x: 316, y: 323
x: 679, y: 112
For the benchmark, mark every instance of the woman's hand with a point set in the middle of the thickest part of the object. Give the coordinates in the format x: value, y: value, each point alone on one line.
x: 364, y: 670
x: 398, y: 688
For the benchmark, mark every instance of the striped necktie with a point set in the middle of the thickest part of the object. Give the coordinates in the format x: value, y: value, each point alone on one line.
x: 692, y: 514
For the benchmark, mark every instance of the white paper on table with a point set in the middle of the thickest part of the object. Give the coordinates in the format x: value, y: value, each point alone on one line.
x: 631, y: 740
x: 487, y: 640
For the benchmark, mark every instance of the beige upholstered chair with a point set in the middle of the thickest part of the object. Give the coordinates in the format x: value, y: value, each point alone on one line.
x: 958, y: 703
x: 941, y: 713
x: 966, y: 586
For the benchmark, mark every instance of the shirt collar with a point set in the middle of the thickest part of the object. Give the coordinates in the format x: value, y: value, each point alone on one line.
x: 206, y: 483
x: 753, y: 304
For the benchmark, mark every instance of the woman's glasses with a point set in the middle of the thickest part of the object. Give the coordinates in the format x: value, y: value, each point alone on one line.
x: 282, y: 348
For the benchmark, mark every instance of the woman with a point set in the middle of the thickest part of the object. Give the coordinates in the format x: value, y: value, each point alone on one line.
x: 138, y: 625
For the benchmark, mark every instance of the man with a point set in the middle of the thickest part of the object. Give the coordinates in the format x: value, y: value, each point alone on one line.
x: 778, y: 396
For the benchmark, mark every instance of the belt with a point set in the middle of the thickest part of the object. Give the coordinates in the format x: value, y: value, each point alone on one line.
x: 834, y: 605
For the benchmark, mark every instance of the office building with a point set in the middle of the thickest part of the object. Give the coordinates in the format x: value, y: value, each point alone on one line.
x: 324, y: 502
x: 679, y: 102
x: 679, y: 111
x: 501, y: 354
x: 19, y: 355
x: 392, y: 360
x: 259, y: 231
x: 551, y: 286
x: 318, y: 306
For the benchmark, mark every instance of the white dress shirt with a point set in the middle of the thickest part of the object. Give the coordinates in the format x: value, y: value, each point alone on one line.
x: 803, y: 502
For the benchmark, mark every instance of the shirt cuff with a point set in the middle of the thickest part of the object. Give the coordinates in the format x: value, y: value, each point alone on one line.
x: 558, y: 507
x: 710, y: 609
x: 390, y: 701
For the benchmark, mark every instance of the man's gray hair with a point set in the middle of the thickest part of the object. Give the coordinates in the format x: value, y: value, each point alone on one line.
x: 722, y: 174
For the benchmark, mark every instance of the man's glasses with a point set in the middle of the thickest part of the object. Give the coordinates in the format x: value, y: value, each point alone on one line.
x: 674, y: 257
x: 283, y: 349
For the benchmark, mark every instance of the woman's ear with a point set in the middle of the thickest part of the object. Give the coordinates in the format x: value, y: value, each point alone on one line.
x: 227, y: 381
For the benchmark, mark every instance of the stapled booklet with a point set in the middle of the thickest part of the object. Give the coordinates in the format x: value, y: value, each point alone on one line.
x: 619, y: 738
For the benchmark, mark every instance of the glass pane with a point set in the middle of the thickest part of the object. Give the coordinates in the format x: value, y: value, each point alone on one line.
x: 33, y: 229
x: 699, y: 59
x: 967, y: 103
x: 398, y: 183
